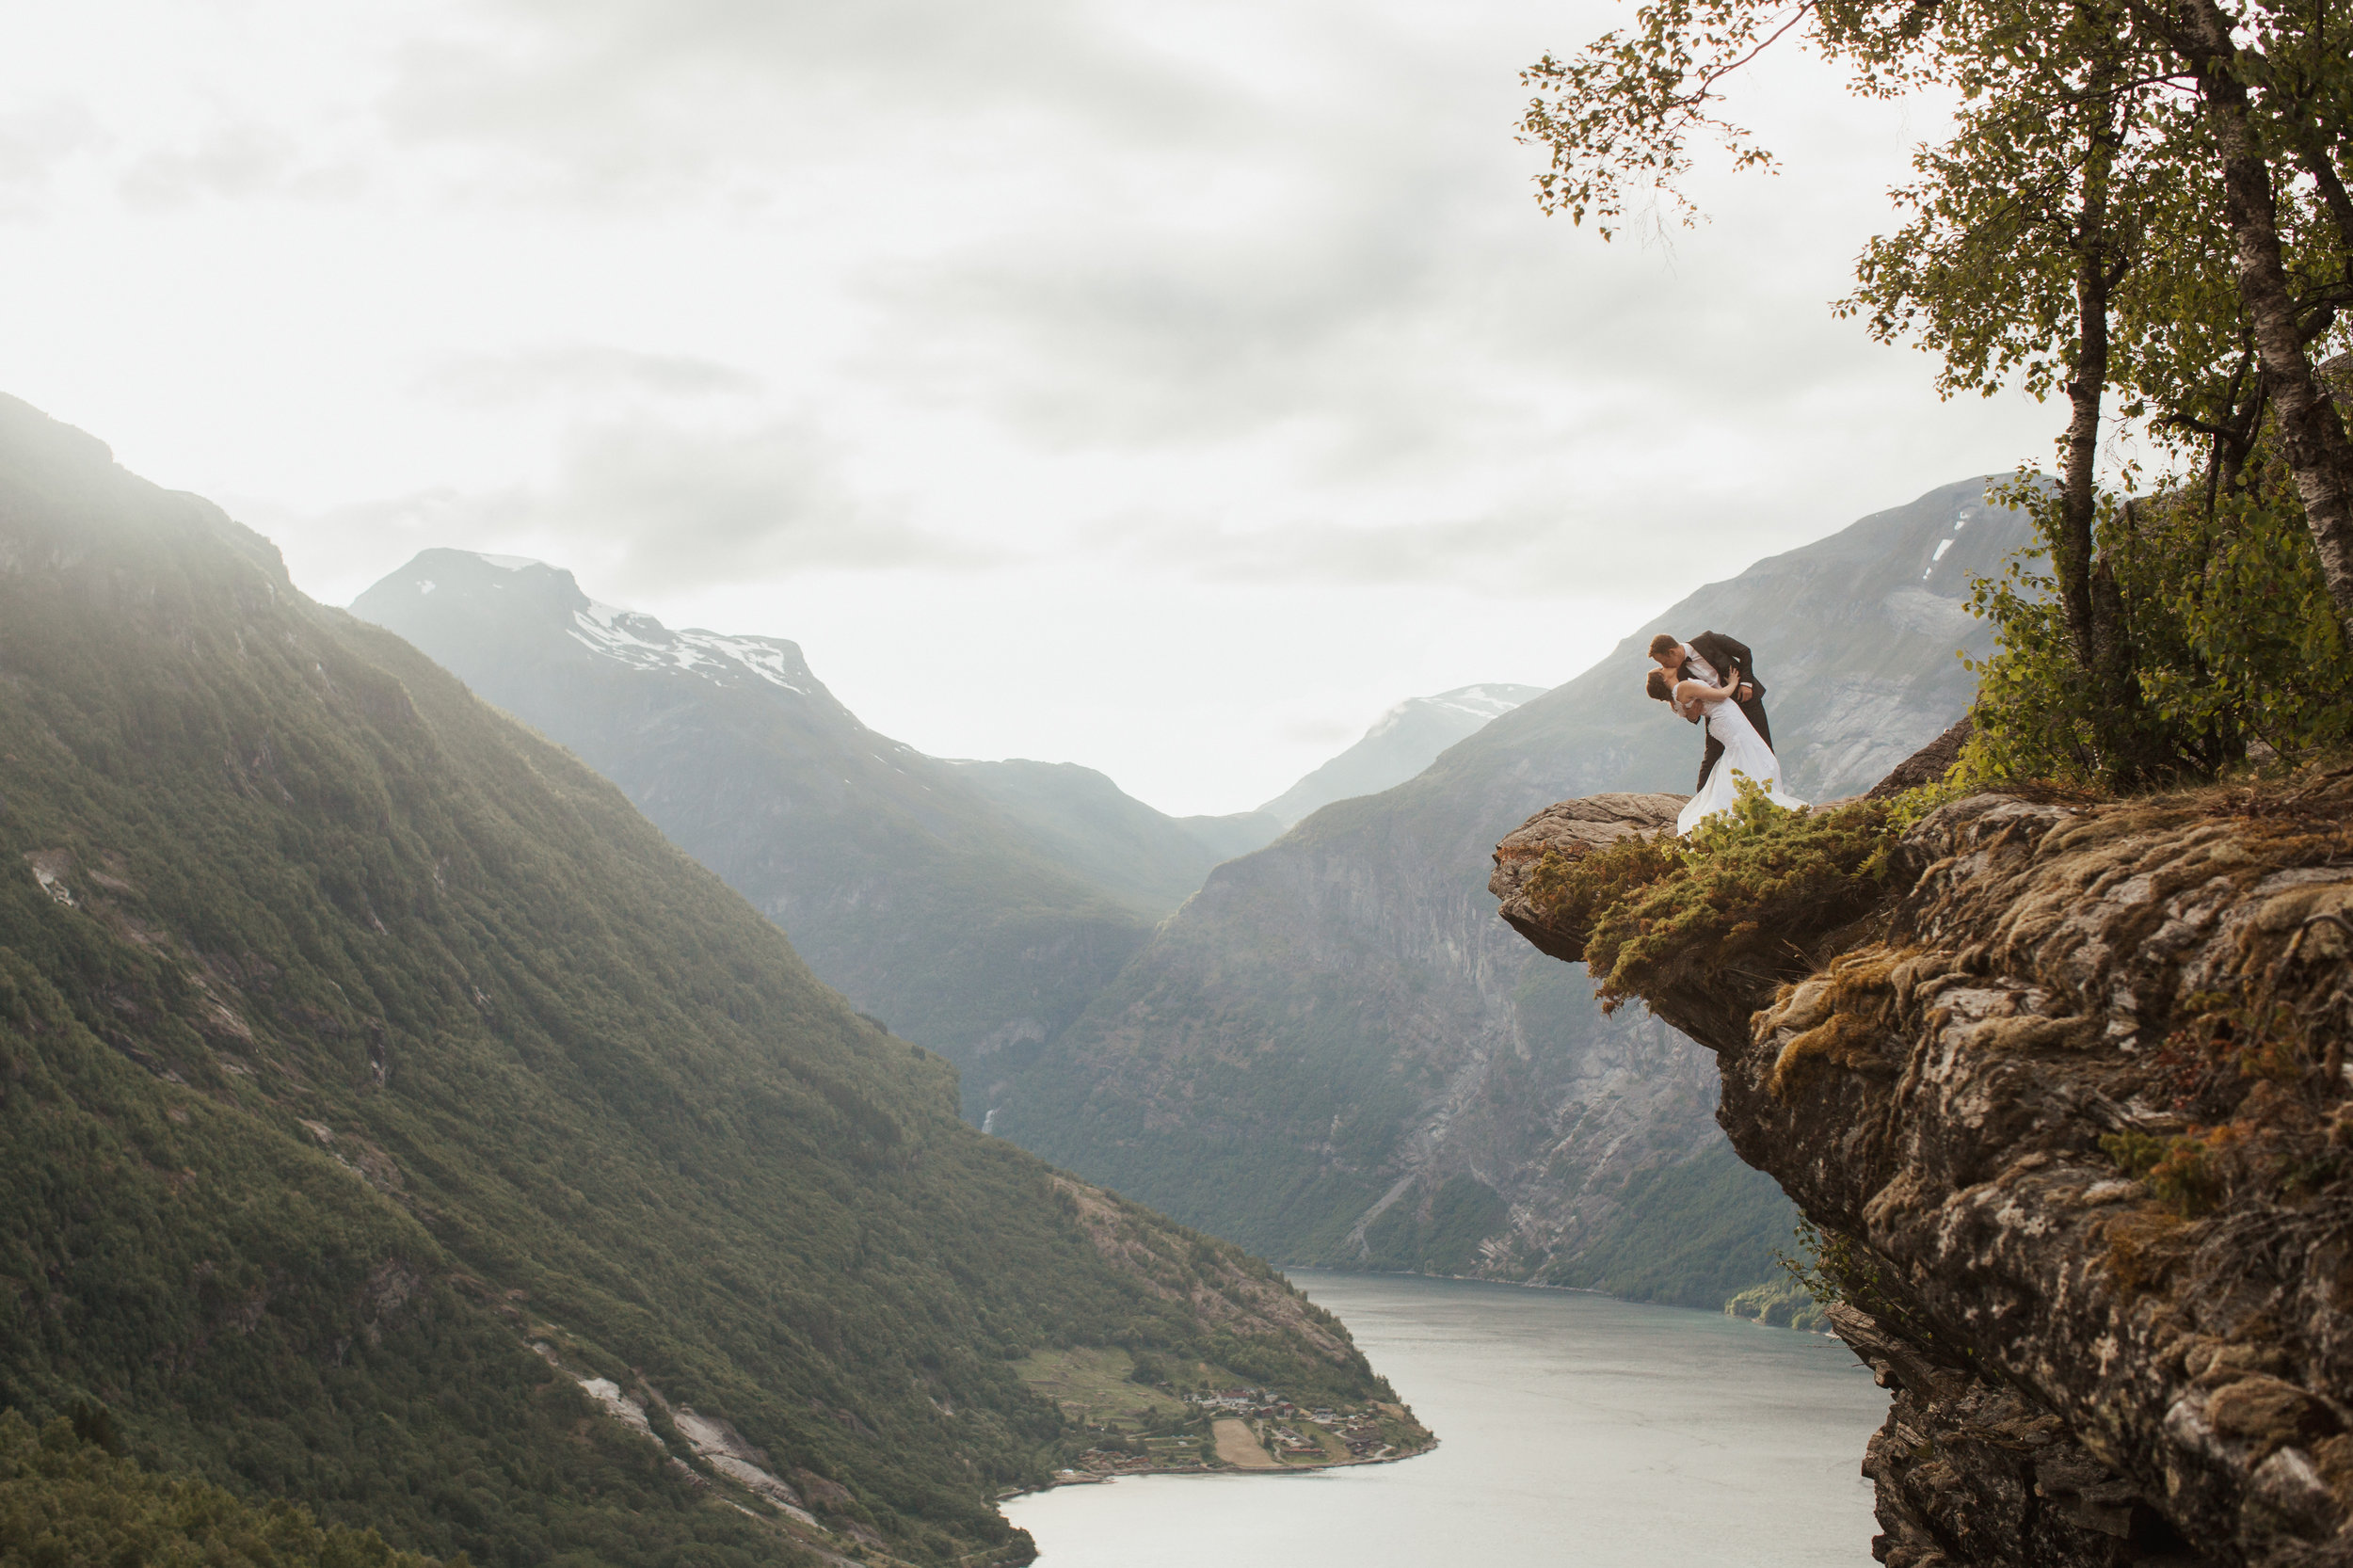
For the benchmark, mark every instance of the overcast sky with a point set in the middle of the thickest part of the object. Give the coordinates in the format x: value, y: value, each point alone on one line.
x: 1169, y: 386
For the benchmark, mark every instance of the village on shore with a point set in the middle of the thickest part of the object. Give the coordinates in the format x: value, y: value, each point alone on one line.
x: 1257, y: 1428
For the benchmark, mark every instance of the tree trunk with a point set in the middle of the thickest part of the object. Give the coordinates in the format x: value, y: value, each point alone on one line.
x: 2079, y: 494
x: 2311, y: 435
x: 2332, y: 193
x: 2088, y: 590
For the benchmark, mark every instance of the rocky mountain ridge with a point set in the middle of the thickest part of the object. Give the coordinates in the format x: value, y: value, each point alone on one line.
x: 2072, y: 1102
x: 900, y: 883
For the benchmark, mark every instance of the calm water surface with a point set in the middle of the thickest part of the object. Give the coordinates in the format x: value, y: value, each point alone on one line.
x: 1575, y: 1431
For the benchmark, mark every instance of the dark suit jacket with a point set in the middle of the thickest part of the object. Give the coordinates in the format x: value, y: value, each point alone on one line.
x: 1725, y: 653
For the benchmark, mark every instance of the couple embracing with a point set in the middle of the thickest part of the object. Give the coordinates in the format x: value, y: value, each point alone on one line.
x: 1712, y: 679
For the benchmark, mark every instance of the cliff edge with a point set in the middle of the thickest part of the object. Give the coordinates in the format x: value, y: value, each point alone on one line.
x: 2070, y: 1102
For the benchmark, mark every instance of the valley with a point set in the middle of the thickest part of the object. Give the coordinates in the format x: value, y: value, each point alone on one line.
x: 398, y: 1127
x: 1297, y: 1028
x: 977, y: 907
x: 595, y: 1158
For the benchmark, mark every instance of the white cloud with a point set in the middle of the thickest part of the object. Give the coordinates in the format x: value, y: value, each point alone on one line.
x: 576, y: 370
x: 945, y: 337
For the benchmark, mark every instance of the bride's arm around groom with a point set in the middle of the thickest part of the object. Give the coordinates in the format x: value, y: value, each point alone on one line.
x: 1729, y: 653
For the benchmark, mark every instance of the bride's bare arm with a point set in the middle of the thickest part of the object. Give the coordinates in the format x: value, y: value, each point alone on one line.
x: 1699, y: 690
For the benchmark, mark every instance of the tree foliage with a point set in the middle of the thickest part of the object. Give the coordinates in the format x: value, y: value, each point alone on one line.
x: 2141, y: 206
x: 2237, y: 647
x: 65, y: 1500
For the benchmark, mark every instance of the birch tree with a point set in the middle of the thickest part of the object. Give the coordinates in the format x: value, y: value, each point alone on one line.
x: 2081, y: 121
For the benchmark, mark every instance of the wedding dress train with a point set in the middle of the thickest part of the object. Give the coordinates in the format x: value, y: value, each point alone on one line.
x: 1745, y: 753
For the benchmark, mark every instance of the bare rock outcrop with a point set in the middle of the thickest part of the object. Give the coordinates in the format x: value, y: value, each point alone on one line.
x: 2074, y: 1098
x: 1929, y: 764
x: 1569, y: 827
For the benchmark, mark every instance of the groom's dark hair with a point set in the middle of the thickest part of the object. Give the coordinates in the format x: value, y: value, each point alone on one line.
x: 1657, y: 687
x: 1660, y: 647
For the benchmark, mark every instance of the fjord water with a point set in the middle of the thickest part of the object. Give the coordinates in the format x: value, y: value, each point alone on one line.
x: 1575, y: 1431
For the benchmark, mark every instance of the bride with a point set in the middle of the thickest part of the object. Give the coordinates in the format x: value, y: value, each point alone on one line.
x: 1746, y: 754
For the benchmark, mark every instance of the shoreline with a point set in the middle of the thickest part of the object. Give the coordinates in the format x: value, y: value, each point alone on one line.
x: 1097, y: 1477
x: 1288, y: 1269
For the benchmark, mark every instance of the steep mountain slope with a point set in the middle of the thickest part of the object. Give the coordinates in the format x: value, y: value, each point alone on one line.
x: 1089, y: 824
x: 1336, y: 1053
x: 1402, y: 742
x: 904, y: 885
x: 391, y: 1120
x: 1234, y: 833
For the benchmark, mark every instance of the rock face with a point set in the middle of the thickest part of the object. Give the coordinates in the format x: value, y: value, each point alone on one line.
x: 1571, y: 828
x: 1336, y: 1054
x: 2076, y: 1096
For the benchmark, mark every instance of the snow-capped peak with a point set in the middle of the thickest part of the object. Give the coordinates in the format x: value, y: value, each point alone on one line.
x: 640, y: 640
x: 1480, y: 703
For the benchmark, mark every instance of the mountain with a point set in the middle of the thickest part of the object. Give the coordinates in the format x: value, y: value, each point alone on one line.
x: 1336, y: 1052
x: 903, y: 883
x: 1238, y: 833
x: 1088, y: 825
x: 392, y: 1122
x: 1403, y: 741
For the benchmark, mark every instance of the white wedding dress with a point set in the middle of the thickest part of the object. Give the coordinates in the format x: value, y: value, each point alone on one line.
x: 1745, y: 752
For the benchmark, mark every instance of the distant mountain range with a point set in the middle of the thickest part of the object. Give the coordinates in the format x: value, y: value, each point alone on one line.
x: 1403, y: 741
x: 1337, y: 1054
x: 976, y: 905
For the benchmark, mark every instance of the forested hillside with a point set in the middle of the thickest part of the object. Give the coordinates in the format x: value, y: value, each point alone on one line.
x: 396, y: 1123
x: 1335, y: 1054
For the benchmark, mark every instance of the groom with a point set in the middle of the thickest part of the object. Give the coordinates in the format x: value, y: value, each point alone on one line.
x: 1709, y: 656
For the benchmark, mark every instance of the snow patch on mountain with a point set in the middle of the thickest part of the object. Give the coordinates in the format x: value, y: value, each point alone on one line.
x: 639, y: 640
x: 1401, y: 742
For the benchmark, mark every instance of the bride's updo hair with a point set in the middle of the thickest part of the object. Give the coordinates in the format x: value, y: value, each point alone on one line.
x: 1657, y: 687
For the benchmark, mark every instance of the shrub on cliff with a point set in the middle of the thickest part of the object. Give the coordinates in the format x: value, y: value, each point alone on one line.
x: 2259, y: 1087
x: 1736, y: 895
x: 2234, y: 644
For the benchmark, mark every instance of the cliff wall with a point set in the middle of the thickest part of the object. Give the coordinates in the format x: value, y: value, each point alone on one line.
x: 2072, y: 1105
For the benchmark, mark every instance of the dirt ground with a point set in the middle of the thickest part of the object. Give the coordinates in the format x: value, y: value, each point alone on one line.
x: 1237, y: 1448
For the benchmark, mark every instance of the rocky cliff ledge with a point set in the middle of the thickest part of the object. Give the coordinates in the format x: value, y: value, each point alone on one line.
x: 2073, y: 1100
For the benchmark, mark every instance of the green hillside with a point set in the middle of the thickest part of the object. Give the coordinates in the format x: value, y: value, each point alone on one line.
x: 66, y: 1500
x: 385, y: 1105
